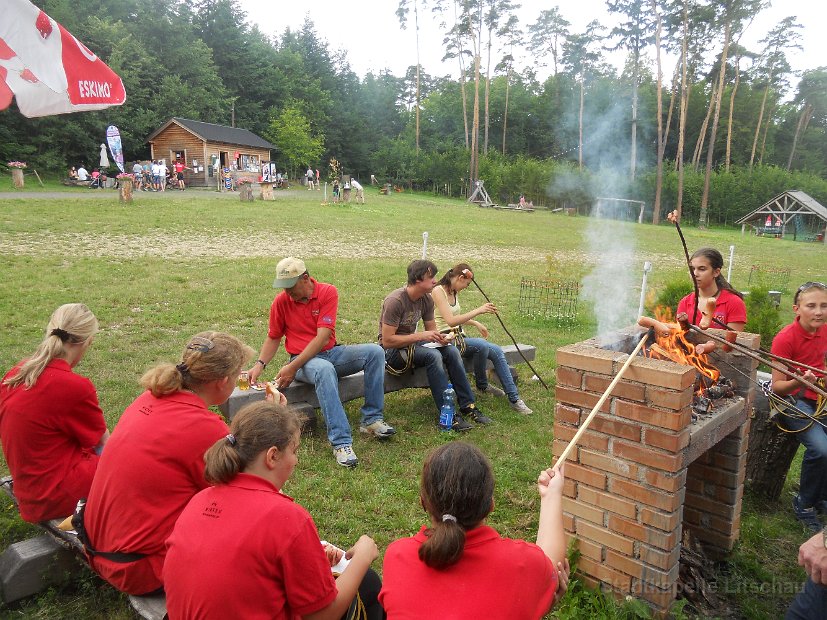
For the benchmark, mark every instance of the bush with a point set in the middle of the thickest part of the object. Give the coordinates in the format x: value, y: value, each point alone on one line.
x: 763, y: 316
x: 672, y: 292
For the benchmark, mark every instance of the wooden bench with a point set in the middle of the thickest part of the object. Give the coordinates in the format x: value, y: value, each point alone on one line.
x: 31, y: 566
x: 302, y: 396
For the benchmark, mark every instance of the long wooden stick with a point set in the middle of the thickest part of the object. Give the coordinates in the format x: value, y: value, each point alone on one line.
x: 600, y: 402
x: 749, y: 353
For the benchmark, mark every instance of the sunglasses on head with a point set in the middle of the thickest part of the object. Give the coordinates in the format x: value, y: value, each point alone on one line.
x: 807, y: 286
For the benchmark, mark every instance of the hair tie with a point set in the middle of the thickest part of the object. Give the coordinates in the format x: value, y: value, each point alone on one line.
x: 61, y: 333
x: 182, y: 368
x: 447, y: 517
x: 231, y: 439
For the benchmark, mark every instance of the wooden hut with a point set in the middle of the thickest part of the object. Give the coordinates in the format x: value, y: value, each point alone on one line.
x: 207, y: 148
x: 793, y: 214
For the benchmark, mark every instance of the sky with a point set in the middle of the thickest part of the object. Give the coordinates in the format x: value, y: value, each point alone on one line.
x: 370, y: 32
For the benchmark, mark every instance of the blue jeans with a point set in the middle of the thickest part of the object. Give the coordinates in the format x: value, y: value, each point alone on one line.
x: 480, y: 350
x: 323, y: 372
x: 436, y: 361
x: 813, y: 485
x: 810, y: 604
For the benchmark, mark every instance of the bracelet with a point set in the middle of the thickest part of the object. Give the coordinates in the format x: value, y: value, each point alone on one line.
x: 263, y: 365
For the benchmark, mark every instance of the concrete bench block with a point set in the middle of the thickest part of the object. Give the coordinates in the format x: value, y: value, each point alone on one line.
x: 150, y: 606
x: 33, y: 565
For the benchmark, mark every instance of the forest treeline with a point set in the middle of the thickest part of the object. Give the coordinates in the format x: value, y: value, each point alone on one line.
x: 717, y: 134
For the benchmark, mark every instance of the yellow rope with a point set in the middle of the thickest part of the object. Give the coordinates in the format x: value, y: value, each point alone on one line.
x: 785, y: 406
x: 398, y: 372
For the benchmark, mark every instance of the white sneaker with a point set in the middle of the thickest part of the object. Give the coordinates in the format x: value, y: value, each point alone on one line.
x: 379, y: 429
x: 493, y: 390
x: 521, y: 407
x: 345, y: 456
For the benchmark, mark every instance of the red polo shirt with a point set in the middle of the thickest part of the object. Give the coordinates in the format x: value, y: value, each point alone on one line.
x: 495, y: 578
x: 299, y: 323
x: 48, y: 433
x: 244, y: 550
x: 796, y: 343
x: 729, y: 308
x: 151, y: 467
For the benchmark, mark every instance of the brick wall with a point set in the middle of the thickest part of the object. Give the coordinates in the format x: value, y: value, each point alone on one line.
x: 642, y: 472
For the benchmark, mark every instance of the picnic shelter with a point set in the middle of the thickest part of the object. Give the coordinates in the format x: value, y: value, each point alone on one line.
x: 790, y: 214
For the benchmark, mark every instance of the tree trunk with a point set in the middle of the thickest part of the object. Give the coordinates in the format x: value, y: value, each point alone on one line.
x: 635, y: 80
x: 462, y: 86
x: 580, y: 128
x: 125, y: 191
x: 661, y: 140
x: 17, y: 178
x: 758, y: 125
x: 710, y: 150
x: 699, y: 145
x: 764, y: 137
x: 475, y: 130
x: 803, y: 121
x: 770, y: 452
x: 487, y: 91
x: 679, y: 163
x: 416, y: 22
x: 731, y: 110
x: 505, y: 112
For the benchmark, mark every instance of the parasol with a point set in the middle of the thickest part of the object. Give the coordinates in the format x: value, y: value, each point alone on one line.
x: 47, y: 69
x: 104, y: 157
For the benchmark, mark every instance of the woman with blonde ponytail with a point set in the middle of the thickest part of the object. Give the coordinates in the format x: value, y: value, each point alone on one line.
x: 51, y: 426
x: 462, y: 567
x: 154, y: 462
x: 244, y: 549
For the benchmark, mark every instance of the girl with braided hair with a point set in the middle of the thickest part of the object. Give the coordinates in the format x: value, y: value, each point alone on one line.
x: 51, y: 425
x: 244, y: 549
x: 462, y: 567
x: 154, y: 462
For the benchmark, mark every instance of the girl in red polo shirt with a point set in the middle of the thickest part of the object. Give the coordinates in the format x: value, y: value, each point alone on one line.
x: 154, y: 462
x: 730, y: 310
x: 805, y: 341
x: 51, y: 425
x: 244, y: 549
x: 459, y: 567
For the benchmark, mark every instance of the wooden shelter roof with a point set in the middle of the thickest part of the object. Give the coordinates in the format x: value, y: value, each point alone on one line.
x: 210, y: 132
x: 792, y: 202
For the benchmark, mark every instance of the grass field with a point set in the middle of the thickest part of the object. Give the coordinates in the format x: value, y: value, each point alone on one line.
x: 173, y: 264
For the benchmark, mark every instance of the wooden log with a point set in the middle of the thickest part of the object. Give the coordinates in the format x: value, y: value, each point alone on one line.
x: 266, y: 191
x: 17, y: 178
x: 245, y: 192
x: 125, y: 191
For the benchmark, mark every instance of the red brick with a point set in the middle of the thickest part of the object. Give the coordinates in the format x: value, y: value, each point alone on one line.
x: 728, y: 479
x: 664, y: 560
x: 723, y: 494
x: 586, y: 548
x: 629, y: 391
x: 712, y: 506
x: 648, y: 456
x: 660, y: 373
x: 584, y: 357
x: 579, y: 398
x: 567, y: 415
x: 673, y: 442
x: 666, y: 521
x: 623, y: 564
x: 692, y: 516
x: 651, y: 497
x: 719, y: 524
x: 558, y: 447
x: 589, y: 439
x: 732, y: 447
x: 724, y: 461
x: 618, y: 428
x: 673, y: 420
x: 604, y: 462
x: 569, y: 488
x: 665, y: 481
x: 569, y: 376
x: 603, y: 536
x: 651, y: 536
x: 583, y: 511
x: 694, y: 484
x: 669, y: 399
x: 722, y: 541
x: 600, y: 571
x: 586, y: 476
x: 659, y: 578
x: 606, y: 501
x: 568, y: 523
x: 661, y: 600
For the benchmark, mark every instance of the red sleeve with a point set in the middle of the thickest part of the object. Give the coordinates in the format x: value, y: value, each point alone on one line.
x: 202, y: 438
x: 782, y: 344
x: 328, y: 307
x: 308, y: 580
x: 85, y: 422
x: 277, y: 326
x: 686, y: 305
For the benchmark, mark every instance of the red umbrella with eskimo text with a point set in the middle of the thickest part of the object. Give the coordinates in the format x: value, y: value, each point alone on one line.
x: 47, y: 69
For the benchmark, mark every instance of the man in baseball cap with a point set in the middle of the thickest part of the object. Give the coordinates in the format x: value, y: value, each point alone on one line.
x: 304, y: 314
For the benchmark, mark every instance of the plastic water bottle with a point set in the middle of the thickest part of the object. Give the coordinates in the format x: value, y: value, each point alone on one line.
x: 449, y: 406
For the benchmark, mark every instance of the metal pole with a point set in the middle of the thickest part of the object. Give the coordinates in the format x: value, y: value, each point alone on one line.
x: 729, y: 269
x: 424, y: 245
x: 647, y: 267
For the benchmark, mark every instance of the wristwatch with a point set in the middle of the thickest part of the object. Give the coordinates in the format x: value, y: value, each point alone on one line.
x: 263, y: 365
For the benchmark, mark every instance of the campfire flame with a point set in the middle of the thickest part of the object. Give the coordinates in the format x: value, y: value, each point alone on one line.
x: 677, y: 348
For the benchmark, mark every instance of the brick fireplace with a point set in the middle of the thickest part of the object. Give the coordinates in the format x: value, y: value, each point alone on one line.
x: 648, y: 469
